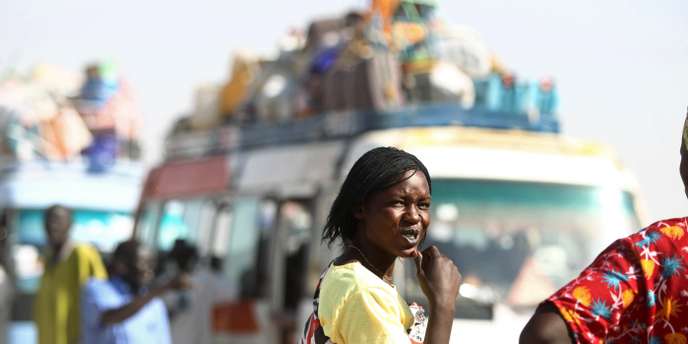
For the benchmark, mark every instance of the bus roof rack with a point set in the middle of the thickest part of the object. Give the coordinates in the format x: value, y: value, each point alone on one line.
x: 338, y: 125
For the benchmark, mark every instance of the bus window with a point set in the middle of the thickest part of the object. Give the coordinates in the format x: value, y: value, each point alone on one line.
x: 206, y: 213
x: 516, y: 242
x: 190, y: 220
x: 295, y: 224
x: 220, y: 236
x: 172, y: 225
x: 148, y: 221
x: 240, y: 264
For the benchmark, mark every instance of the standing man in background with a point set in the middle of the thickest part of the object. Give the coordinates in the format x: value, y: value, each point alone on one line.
x: 125, y: 308
x: 67, y: 267
x: 189, y: 310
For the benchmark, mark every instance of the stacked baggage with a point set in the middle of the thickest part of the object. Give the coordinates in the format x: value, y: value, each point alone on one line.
x: 54, y: 114
x: 393, y: 54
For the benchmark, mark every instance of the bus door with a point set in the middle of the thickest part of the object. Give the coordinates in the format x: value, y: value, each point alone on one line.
x: 266, y: 252
x: 202, y: 223
x: 241, y: 314
x: 289, y: 257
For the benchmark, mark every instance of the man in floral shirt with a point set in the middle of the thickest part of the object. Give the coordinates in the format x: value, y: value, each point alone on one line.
x: 636, y: 290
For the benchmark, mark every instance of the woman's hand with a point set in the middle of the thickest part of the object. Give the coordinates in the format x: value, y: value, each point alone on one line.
x: 438, y: 277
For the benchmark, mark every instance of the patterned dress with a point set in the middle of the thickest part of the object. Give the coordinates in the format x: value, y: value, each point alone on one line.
x: 636, y: 290
x: 313, y: 332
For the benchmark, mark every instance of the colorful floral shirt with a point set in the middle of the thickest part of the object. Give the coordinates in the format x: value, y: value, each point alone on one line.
x: 636, y: 290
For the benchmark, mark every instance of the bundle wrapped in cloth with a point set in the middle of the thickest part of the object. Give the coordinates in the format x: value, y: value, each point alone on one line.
x: 36, y: 118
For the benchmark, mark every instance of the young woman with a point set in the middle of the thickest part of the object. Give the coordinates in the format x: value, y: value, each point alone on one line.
x: 382, y: 213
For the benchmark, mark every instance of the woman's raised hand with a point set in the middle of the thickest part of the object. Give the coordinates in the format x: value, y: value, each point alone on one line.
x: 438, y: 277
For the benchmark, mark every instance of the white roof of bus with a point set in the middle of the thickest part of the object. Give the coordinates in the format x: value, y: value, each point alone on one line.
x: 41, y: 184
x: 456, y: 152
x: 291, y: 169
x: 448, y: 152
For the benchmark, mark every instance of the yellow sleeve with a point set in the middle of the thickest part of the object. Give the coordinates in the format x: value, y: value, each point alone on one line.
x: 91, y: 265
x: 368, y: 316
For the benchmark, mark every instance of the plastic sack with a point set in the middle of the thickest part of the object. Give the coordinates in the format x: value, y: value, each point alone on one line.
x: 206, y: 113
x: 102, y: 153
x: 65, y: 135
x: 463, y: 47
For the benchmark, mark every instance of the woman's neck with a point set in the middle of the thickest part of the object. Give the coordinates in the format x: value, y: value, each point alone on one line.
x: 373, y: 258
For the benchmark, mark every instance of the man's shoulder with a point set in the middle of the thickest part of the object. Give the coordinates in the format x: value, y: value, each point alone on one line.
x: 83, y: 248
x: 669, y: 236
x: 95, y: 282
x: 159, y: 304
x: 674, y: 229
x: 676, y: 221
x: 97, y: 285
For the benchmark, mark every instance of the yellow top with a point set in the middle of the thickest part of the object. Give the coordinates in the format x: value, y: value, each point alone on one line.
x: 56, y: 307
x: 356, y: 306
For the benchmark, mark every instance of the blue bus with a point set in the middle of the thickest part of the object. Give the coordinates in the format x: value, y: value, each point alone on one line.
x: 103, y: 206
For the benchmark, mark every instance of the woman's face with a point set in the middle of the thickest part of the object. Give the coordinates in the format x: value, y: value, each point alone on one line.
x: 395, y: 220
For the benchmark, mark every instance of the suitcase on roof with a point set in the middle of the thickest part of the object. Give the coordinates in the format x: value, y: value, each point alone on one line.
x: 363, y: 83
x: 324, y: 33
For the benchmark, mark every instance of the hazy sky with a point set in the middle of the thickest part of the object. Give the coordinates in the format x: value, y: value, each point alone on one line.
x: 621, y: 66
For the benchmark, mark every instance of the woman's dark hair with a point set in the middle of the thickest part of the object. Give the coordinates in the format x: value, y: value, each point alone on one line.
x: 377, y: 170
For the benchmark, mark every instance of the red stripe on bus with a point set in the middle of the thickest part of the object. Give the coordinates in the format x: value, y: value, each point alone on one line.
x: 187, y: 178
x: 235, y: 317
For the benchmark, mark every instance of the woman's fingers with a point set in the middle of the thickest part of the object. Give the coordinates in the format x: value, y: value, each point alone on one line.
x: 440, y: 275
x: 432, y: 251
x: 418, y: 259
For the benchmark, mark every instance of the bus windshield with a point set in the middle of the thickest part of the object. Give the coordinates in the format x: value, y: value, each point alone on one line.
x: 516, y: 243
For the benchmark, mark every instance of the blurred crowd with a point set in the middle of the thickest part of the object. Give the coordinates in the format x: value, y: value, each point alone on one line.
x: 132, y: 296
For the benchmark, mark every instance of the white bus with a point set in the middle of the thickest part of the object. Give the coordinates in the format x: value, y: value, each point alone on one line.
x: 519, y: 207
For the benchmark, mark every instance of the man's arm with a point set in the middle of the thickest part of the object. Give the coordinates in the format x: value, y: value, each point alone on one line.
x: 120, y: 314
x: 546, y: 327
